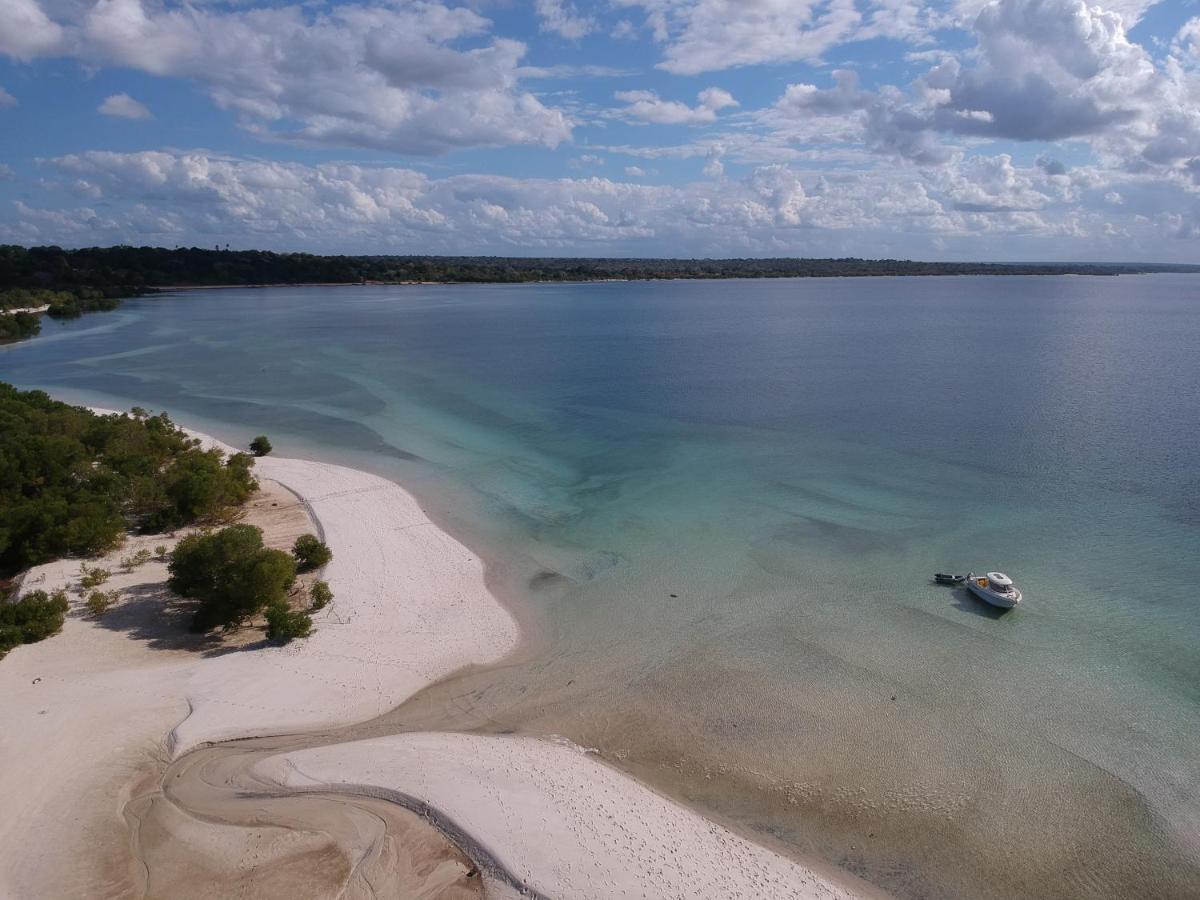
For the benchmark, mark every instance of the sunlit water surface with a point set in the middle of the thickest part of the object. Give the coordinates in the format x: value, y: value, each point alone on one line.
x: 719, y: 505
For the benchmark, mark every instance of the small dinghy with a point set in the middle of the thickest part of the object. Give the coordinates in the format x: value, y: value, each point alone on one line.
x: 943, y: 578
x: 995, y: 588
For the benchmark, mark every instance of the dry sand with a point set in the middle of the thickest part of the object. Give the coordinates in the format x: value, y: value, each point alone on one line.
x: 92, y: 717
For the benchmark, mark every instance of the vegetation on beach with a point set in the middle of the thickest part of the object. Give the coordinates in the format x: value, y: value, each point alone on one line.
x: 100, y: 602
x: 18, y: 326
x: 232, y: 575
x: 311, y: 552
x: 260, y: 446
x: 319, y: 595
x: 285, y: 623
x: 73, y: 482
x: 92, y: 576
x: 34, y: 617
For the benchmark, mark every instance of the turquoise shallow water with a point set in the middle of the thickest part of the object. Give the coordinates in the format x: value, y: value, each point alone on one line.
x: 721, y: 502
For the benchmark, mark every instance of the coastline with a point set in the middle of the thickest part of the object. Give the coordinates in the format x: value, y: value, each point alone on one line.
x: 552, y: 819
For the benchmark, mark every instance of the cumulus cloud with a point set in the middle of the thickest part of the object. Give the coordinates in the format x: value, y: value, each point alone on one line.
x: 6, y: 99
x: 1042, y: 70
x: 649, y: 107
x: 563, y: 19
x: 710, y: 35
x: 394, y: 77
x: 28, y: 32
x: 176, y: 197
x: 123, y: 106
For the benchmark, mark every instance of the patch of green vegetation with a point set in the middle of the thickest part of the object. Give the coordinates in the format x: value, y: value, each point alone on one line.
x: 34, y: 617
x: 18, y: 326
x: 285, y: 623
x: 260, y: 446
x: 73, y: 482
x: 129, y: 563
x: 310, y: 552
x: 319, y: 595
x: 231, y: 573
x: 100, y: 602
x: 92, y: 576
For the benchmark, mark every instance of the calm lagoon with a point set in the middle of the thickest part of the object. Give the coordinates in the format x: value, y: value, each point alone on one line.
x: 719, y: 506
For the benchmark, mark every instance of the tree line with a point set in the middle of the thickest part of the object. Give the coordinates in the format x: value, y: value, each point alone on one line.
x: 95, y: 279
x: 123, y: 270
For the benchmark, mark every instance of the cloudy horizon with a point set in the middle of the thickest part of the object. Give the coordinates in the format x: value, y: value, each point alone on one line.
x: 956, y: 130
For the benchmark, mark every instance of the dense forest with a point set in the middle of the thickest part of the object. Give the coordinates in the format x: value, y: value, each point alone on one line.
x: 123, y: 271
x: 73, y: 482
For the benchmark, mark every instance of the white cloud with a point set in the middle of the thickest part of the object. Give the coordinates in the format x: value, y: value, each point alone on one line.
x: 561, y: 18
x: 1042, y: 70
x: 6, y: 99
x: 981, y: 207
x: 27, y: 32
x: 709, y: 35
x: 393, y: 77
x: 123, y: 106
x: 635, y: 172
x: 6, y: 172
x: 649, y: 107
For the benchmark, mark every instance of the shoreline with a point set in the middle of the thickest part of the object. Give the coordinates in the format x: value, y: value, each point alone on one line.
x: 367, y: 655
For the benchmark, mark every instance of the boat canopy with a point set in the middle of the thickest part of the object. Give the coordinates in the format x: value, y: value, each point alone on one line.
x: 999, y: 579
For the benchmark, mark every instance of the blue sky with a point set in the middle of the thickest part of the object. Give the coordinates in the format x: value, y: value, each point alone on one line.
x: 956, y: 129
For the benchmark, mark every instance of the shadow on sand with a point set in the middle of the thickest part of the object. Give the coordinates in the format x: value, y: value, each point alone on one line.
x: 152, y: 614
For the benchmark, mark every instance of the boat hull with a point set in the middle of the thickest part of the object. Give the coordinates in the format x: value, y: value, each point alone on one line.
x: 994, y: 598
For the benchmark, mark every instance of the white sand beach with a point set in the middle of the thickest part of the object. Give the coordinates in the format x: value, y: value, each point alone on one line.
x: 94, y: 714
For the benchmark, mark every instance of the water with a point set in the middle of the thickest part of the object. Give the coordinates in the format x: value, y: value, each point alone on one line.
x: 719, y: 504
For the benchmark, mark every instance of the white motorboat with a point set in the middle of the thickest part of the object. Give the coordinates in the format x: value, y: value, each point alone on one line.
x: 995, y: 588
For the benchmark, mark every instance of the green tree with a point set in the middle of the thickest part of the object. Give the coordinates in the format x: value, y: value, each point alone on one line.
x: 34, y: 617
x: 319, y: 595
x: 74, y: 482
x: 310, y: 552
x: 232, y: 575
x: 260, y: 446
x: 285, y: 623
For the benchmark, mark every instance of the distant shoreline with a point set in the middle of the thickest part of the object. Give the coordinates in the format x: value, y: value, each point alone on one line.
x: 1106, y: 273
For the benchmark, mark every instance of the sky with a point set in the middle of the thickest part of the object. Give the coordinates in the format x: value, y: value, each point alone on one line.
x: 929, y: 129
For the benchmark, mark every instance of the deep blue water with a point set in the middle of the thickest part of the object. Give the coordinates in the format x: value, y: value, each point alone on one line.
x: 721, y: 502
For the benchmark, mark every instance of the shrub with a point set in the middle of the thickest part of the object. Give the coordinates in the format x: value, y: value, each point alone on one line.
x: 231, y: 574
x: 319, y: 594
x: 260, y: 446
x: 34, y: 617
x: 285, y: 623
x: 160, y: 552
x: 310, y: 552
x: 99, y: 602
x: 93, y: 577
x: 129, y: 563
